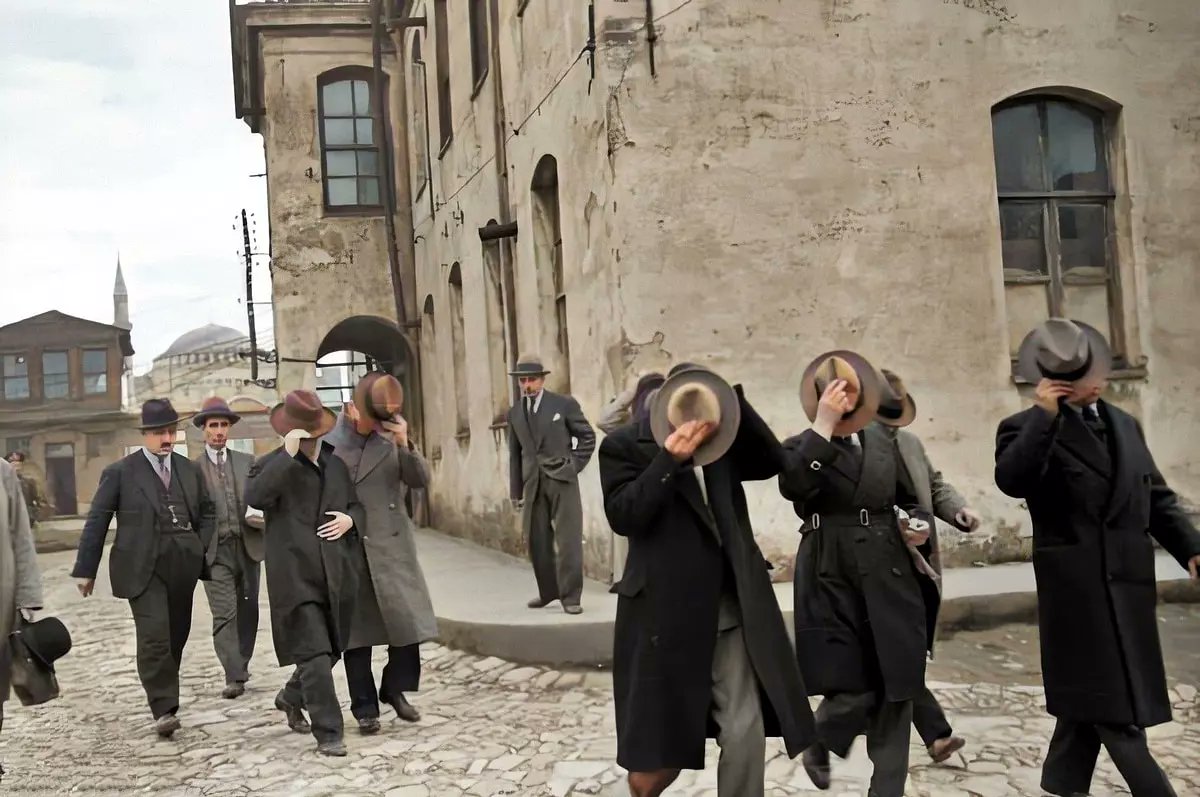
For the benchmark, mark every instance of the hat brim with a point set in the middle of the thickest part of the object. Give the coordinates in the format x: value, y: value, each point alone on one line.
x: 47, y: 641
x: 868, y: 387
x: 722, y: 439
x: 282, y: 423
x: 201, y: 418
x: 1027, y: 366
x: 528, y: 373
x: 365, y: 402
x: 907, y: 415
x: 179, y: 419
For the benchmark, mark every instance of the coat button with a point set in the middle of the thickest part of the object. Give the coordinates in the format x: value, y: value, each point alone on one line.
x: 815, y: 465
x: 391, y: 506
x: 896, y: 571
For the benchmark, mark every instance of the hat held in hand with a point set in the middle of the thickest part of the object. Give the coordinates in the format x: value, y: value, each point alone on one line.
x: 1063, y: 350
x: 379, y: 396
x: 862, y: 388
x: 302, y: 411
x: 896, y: 405
x: 697, y: 394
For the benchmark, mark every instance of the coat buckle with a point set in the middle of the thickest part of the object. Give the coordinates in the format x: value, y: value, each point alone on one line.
x: 816, y: 522
x: 864, y: 517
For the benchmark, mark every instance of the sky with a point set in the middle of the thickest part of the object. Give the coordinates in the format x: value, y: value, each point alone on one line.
x: 119, y: 135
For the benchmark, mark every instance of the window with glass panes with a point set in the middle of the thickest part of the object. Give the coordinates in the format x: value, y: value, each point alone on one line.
x: 56, y: 375
x: 95, y: 371
x: 14, y: 370
x: 1055, y: 192
x: 349, y: 152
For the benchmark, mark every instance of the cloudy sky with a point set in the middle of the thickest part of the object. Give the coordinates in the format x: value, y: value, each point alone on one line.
x: 118, y: 134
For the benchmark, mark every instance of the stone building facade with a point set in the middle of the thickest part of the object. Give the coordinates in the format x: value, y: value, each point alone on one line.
x: 747, y: 185
x: 211, y: 360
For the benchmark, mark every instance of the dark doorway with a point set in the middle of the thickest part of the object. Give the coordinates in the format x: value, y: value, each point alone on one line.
x: 60, y: 477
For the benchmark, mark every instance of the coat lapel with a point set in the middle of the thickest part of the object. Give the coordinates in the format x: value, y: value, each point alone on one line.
x: 1083, y: 445
x: 685, y: 483
x: 179, y: 465
x: 146, y: 478
x: 374, y: 453
x: 1123, y: 434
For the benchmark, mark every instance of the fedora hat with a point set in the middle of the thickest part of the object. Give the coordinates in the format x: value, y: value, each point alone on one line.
x: 697, y: 394
x: 35, y: 647
x: 1064, y: 350
x: 861, y: 378
x: 302, y: 409
x: 378, y: 396
x: 528, y: 365
x: 47, y: 640
x: 896, y: 405
x: 158, y: 414
x: 214, y: 407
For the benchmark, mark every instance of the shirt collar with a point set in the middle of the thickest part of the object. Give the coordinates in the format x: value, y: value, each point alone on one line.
x: 212, y: 453
x: 537, y: 399
x: 153, y: 458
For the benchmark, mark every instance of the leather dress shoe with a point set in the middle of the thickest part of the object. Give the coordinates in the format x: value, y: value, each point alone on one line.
x: 941, y: 749
x: 573, y: 609
x: 166, y: 725
x: 368, y: 725
x: 816, y: 764
x: 333, y: 747
x: 539, y: 603
x: 232, y: 690
x: 404, y: 710
x: 295, y: 715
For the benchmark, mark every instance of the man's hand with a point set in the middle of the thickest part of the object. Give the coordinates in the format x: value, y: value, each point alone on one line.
x: 1049, y: 391
x: 518, y: 503
x: 683, y: 442
x: 1194, y: 568
x: 968, y: 519
x: 85, y: 586
x: 27, y: 614
x: 291, y: 441
x: 336, y: 528
x: 834, y: 403
x: 916, y: 532
x: 399, y: 430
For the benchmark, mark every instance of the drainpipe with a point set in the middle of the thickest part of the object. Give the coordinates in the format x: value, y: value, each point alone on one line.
x: 388, y: 184
x: 500, y: 129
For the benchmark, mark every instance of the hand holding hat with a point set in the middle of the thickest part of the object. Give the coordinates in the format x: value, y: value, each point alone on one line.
x: 291, y: 441
x: 695, y: 415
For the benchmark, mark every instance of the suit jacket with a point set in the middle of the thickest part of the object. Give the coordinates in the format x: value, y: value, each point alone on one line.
x: 934, y: 494
x: 252, y: 536
x: 541, y: 442
x: 129, y: 489
x: 20, y: 578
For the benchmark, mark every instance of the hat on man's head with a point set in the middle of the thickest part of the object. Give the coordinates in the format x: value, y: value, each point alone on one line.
x: 528, y: 365
x: 1064, y: 350
x: 379, y: 396
x: 158, y: 414
x: 302, y: 409
x: 214, y: 407
x: 697, y: 394
x: 896, y: 405
x: 862, y: 382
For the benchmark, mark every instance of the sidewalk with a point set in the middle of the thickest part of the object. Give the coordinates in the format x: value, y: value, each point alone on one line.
x: 479, y: 597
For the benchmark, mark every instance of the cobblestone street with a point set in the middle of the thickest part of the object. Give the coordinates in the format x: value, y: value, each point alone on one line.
x: 491, y: 728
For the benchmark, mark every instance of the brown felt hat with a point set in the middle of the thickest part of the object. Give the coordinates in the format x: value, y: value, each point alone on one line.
x: 862, y: 380
x: 379, y: 396
x: 896, y: 405
x: 302, y: 409
x: 697, y: 394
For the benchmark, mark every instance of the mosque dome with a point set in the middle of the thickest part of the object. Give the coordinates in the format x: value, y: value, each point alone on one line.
x: 204, y: 338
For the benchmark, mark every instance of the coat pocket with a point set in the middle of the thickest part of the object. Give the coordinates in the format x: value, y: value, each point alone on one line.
x: 630, y: 585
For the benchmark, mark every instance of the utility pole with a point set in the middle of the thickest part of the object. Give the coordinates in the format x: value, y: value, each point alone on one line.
x: 250, y: 296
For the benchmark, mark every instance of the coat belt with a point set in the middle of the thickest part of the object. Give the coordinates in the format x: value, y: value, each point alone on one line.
x: 863, y: 517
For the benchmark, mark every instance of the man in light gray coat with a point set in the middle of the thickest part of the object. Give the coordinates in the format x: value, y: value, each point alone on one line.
x: 236, y: 551
x: 938, y: 497
x: 393, y: 606
x: 20, y: 579
x: 550, y: 442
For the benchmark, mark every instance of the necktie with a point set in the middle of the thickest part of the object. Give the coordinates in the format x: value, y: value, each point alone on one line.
x: 529, y: 405
x: 849, y: 447
x: 221, y: 464
x: 1091, y: 417
x: 164, y: 473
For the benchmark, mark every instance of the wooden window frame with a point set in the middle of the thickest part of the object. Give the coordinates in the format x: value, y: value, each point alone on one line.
x: 5, y: 378
x: 416, y: 61
x: 66, y: 353
x: 85, y: 373
x: 442, y: 60
x: 480, y: 55
x: 339, y: 75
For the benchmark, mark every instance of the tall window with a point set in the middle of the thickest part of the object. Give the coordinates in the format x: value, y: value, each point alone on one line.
x: 548, y: 256
x: 459, y: 351
x: 56, y: 375
x: 497, y: 351
x: 349, y: 153
x: 420, y: 126
x: 441, y: 32
x: 431, y: 367
x: 1055, y: 192
x: 479, y: 43
x: 95, y: 371
x: 14, y: 370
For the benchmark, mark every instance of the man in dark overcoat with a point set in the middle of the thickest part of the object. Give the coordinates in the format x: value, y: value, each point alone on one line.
x: 236, y: 551
x: 312, y: 513
x: 165, y: 523
x: 1098, y: 502
x: 860, y: 615
x: 550, y: 442
x: 393, y: 607
x: 700, y: 647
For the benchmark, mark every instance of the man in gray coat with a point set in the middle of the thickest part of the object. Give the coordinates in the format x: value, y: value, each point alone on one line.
x: 393, y: 606
x: 938, y: 497
x: 550, y: 442
x: 236, y: 550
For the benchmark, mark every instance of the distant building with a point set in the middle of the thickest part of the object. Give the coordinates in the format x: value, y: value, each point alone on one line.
x: 210, y: 361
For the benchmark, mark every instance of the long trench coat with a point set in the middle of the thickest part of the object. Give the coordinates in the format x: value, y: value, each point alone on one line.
x: 680, y: 553
x: 860, y: 614
x: 20, y: 579
x: 302, y: 568
x: 1094, y: 509
x: 393, y: 606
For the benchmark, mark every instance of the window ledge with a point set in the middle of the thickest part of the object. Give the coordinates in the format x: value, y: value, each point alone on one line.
x: 463, y: 436
x: 499, y: 423
x: 479, y: 84
x: 354, y: 210
x: 1123, y: 373
x: 445, y: 147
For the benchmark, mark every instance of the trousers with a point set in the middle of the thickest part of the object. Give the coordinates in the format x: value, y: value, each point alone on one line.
x: 162, y: 618
x: 311, y: 687
x: 402, y: 673
x: 233, y: 599
x: 888, y: 726
x: 737, y: 710
x: 929, y: 719
x: 1071, y: 759
x: 553, y: 519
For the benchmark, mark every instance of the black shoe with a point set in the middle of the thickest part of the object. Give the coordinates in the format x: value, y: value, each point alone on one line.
x: 333, y: 747
x: 404, y: 710
x: 295, y: 715
x: 540, y: 603
x: 232, y: 690
x: 573, y: 609
x: 166, y: 725
x: 368, y: 725
x: 816, y: 764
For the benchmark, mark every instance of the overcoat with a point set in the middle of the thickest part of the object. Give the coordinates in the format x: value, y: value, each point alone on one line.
x: 680, y: 553
x: 393, y: 606
x: 129, y: 489
x: 20, y: 578
x: 295, y: 494
x: 252, y: 538
x: 1095, y: 508
x: 859, y: 611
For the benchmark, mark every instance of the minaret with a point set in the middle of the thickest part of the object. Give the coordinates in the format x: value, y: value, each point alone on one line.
x: 121, y: 319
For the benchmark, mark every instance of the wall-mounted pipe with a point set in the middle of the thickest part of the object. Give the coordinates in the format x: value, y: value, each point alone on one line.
x: 651, y: 35
x: 495, y: 232
x: 500, y: 131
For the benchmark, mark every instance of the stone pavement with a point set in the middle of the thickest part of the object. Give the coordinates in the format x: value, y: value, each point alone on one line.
x: 491, y: 727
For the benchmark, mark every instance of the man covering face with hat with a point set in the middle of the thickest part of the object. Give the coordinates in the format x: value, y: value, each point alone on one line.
x: 550, y: 442
x: 699, y: 640
x: 312, y: 561
x: 236, y: 550
x: 860, y: 611
x: 1097, y: 501
x: 393, y: 607
x: 165, y: 523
